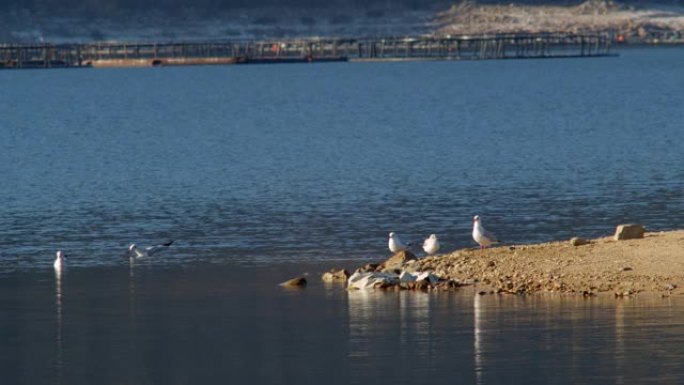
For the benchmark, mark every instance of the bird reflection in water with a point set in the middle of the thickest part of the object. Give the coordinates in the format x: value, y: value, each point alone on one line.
x: 414, y: 310
x: 619, y: 342
x: 59, y: 360
x: 401, y: 317
x: 360, y: 321
x: 478, y: 313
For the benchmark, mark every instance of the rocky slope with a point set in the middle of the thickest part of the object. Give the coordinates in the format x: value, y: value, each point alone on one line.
x: 649, y: 22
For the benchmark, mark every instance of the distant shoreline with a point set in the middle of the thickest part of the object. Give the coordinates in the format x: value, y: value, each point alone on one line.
x: 647, y: 24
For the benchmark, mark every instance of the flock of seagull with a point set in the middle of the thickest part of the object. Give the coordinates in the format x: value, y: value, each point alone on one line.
x: 483, y: 238
x: 431, y: 245
x: 132, y: 252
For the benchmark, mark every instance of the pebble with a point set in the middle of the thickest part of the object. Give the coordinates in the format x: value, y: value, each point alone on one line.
x: 295, y: 282
x: 577, y: 241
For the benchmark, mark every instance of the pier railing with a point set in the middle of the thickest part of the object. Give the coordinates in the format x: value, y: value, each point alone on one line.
x: 475, y: 47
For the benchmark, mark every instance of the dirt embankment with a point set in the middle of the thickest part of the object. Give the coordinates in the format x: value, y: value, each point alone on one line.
x: 654, y: 264
x: 648, y: 23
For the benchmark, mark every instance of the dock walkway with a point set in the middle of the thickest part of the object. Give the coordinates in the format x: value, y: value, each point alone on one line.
x: 149, y: 54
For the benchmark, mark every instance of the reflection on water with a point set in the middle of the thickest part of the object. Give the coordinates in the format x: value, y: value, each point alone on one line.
x: 372, y: 312
x: 131, y: 288
x: 143, y: 325
x: 414, y: 313
x: 619, y: 342
x: 477, y: 337
x: 361, y: 320
x: 506, y: 339
x: 59, y: 359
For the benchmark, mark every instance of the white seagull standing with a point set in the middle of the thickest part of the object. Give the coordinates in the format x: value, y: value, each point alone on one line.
x: 59, y: 261
x: 431, y: 245
x: 395, y: 243
x: 483, y: 237
x: 134, y: 251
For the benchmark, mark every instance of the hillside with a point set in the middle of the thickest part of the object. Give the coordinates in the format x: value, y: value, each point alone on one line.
x: 655, y: 23
x: 96, y: 20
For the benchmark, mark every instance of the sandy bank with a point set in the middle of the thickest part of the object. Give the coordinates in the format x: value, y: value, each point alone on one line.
x: 654, y: 264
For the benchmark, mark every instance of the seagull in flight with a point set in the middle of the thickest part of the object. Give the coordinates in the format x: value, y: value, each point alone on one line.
x: 59, y: 261
x: 483, y: 237
x: 395, y: 243
x: 431, y: 245
x: 134, y: 251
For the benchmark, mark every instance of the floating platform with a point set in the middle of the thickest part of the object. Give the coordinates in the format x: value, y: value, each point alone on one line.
x: 151, y: 54
x: 286, y: 60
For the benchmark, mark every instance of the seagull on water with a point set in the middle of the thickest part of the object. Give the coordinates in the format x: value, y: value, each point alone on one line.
x: 134, y: 251
x: 395, y: 243
x: 431, y: 245
x: 483, y: 237
x: 59, y: 261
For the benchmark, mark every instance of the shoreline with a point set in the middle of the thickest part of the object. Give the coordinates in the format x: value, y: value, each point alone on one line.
x: 651, y: 265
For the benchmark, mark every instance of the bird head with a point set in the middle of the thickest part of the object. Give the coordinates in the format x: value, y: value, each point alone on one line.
x: 131, y: 247
x: 391, y: 235
x: 60, y: 254
x: 476, y: 218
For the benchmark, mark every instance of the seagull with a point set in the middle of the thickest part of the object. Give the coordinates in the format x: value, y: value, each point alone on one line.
x: 431, y: 244
x: 483, y: 237
x: 133, y: 250
x: 395, y: 243
x: 59, y: 261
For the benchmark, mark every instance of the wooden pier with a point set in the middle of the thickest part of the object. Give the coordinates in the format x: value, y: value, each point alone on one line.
x: 146, y: 54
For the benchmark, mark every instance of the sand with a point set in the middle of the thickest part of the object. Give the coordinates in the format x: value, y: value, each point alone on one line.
x: 654, y: 264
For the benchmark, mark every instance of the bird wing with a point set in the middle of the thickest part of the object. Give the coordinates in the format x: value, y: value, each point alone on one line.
x: 153, y: 249
x: 489, y: 235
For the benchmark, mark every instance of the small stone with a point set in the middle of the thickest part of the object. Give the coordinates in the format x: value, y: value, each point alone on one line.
x: 412, y: 266
x: 671, y: 287
x: 491, y: 264
x: 396, y: 262
x: 577, y: 241
x: 629, y: 231
x: 481, y: 293
x: 333, y: 275
x: 295, y: 282
x: 627, y: 268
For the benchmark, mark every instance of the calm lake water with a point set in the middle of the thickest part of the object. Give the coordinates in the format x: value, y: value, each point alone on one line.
x: 263, y: 172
